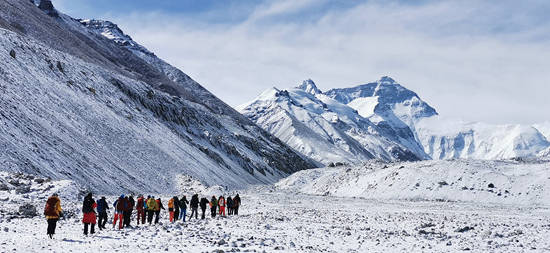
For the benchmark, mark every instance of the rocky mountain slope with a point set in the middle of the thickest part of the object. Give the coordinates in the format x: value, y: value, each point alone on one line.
x: 105, y: 112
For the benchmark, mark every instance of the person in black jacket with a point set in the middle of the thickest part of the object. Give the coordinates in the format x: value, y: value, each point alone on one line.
x: 102, y: 207
x: 176, y: 208
x: 204, y: 202
x: 128, y: 213
x: 229, y: 205
x: 236, y: 204
x: 183, y: 207
x: 194, y: 206
x: 89, y: 213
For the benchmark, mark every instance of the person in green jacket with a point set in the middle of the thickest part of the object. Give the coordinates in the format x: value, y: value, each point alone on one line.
x: 151, y: 207
x: 213, y: 205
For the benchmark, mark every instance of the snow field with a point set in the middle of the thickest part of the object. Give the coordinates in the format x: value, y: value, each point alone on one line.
x: 500, y: 182
x: 292, y: 222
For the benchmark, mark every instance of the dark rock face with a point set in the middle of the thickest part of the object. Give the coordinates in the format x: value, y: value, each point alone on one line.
x: 47, y: 7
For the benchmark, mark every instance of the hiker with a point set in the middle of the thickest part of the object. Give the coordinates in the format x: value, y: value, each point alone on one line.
x: 176, y: 208
x: 157, y: 210
x: 102, y: 207
x: 236, y: 204
x: 126, y: 209
x: 213, y: 205
x: 221, y: 204
x: 151, y: 207
x: 89, y: 213
x: 139, y: 208
x: 171, y: 208
x: 183, y: 207
x: 119, y: 211
x: 129, y: 209
x: 194, y: 206
x: 229, y: 204
x: 52, y: 211
x: 204, y: 202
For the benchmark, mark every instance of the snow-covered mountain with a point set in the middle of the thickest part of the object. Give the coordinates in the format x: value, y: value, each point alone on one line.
x: 393, y: 113
x: 82, y: 101
x: 327, y: 130
x: 384, y: 100
x: 448, y: 138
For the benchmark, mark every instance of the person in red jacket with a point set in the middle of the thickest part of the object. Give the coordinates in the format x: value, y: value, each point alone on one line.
x: 140, y: 209
x: 120, y: 206
x: 89, y: 213
x: 221, y: 204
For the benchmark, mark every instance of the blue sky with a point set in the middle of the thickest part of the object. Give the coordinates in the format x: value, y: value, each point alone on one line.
x: 475, y: 60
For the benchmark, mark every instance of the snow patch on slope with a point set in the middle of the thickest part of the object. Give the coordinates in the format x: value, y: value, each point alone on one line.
x: 364, y: 105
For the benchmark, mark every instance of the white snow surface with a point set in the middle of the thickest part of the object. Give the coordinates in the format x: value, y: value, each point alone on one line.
x: 544, y: 129
x: 293, y: 222
x: 511, y: 182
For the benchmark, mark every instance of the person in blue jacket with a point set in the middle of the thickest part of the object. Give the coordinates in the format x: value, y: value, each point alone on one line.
x: 102, y: 207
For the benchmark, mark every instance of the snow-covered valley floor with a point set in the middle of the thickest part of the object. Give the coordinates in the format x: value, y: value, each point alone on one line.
x: 275, y: 221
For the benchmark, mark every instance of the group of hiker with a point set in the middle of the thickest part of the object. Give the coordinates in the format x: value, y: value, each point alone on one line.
x: 146, y: 208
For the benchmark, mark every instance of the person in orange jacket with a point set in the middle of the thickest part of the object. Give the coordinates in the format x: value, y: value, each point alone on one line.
x: 89, y: 213
x: 171, y: 209
x: 221, y: 204
x: 52, y: 211
x: 157, y: 210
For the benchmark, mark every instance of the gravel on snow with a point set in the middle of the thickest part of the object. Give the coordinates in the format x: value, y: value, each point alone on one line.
x: 290, y: 222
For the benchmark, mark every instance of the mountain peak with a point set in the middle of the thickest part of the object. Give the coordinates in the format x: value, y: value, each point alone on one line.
x: 46, y: 6
x: 386, y: 80
x: 112, y: 32
x: 310, y: 87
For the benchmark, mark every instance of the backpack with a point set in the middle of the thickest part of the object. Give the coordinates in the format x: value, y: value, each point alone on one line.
x: 171, y: 203
x: 140, y: 203
x: 50, y: 208
x: 87, y: 206
x: 151, y: 203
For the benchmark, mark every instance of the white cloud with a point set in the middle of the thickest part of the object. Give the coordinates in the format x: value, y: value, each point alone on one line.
x: 468, y: 59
